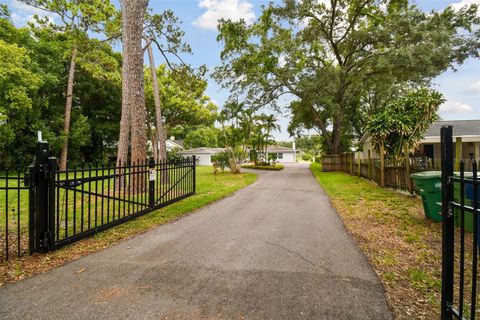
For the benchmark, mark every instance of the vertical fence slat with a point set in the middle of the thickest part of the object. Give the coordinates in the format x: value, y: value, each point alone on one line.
x: 108, y: 192
x: 462, y: 238
x: 74, y: 199
x: 475, y: 242
x: 18, y: 213
x: 66, y: 203
x: 82, y: 219
x: 447, y: 223
x: 6, y: 214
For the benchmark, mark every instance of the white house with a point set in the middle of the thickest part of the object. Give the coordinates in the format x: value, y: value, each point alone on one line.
x: 284, y: 154
x: 203, y: 155
x: 173, y: 144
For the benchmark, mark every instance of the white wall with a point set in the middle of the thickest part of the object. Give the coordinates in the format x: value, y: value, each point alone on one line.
x: 288, y: 157
x: 202, y: 159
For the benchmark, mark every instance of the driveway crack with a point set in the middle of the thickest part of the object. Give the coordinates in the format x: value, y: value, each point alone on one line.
x: 297, y: 254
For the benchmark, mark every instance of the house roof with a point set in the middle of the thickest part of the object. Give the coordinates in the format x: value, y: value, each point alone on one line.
x: 202, y: 150
x: 279, y: 149
x: 460, y: 128
x: 175, y: 143
x: 179, y: 142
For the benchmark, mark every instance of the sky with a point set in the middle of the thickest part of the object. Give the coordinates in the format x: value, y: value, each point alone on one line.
x: 461, y: 88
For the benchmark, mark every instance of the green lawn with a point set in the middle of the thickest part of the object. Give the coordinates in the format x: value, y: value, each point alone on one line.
x: 403, y: 247
x: 209, y: 189
x: 80, y: 209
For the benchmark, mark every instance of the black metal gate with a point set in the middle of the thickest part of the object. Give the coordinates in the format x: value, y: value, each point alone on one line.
x: 48, y: 208
x: 459, y: 251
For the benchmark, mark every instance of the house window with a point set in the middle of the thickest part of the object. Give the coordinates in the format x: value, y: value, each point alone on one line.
x: 279, y: 155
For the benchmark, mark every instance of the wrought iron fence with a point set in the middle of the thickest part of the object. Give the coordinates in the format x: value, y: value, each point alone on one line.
x: 459, y: 252
x: 14, y: 214
x: 48, y: 208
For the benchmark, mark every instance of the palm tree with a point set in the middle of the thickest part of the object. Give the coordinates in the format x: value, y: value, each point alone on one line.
x: 270, y: 124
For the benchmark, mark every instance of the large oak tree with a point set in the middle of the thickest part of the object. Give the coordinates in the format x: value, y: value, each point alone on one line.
x: 326, y: 55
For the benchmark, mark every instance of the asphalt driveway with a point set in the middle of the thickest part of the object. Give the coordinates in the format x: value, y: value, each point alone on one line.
x: 275, y: 250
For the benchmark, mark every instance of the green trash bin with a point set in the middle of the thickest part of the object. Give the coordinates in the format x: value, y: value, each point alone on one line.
x: 429, y: 186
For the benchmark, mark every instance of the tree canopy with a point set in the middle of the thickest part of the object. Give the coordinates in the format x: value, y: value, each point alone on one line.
x: 400, y: 126
x: 329, y: 56
x: 34, y: 65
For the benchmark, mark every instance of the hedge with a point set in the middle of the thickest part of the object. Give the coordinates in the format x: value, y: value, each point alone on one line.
x: 276, y: 167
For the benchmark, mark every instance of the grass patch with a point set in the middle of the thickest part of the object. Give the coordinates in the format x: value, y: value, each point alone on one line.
x: 209, y: 189
x: 403, y: 247
x: 276, y: 167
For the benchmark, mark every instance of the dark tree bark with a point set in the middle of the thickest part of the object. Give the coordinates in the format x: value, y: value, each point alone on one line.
x: 133, y: 97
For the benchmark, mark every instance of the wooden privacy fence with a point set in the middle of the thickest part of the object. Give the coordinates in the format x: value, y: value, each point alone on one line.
x: 394, y: 171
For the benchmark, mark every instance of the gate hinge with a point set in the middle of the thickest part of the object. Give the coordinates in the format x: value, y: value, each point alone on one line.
x: 46, y: 240
x: 450, y: 211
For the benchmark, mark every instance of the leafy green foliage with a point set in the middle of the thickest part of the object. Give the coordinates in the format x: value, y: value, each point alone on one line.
x: 404, y: 121
x: 243, y: 129
x: 273, y: 167
x: 34, y: 69
x: 220, y: 161
x: 75, y: 16
x: 4, y: 12
x: 184, y: 102
x: 17, y: 83
x: 164, y: 31
x: 202, y: 137
x: 330, y: 58
x: 311, y: 144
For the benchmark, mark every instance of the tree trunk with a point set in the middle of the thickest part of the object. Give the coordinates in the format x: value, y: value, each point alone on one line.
x: 336, y: 135
x: 382, y: 165
x: 408, y: 169
x: 124, y: 138
x: 133, y: 98
x: 68, y: 109
x: 160, y: 132
x: 153, y: 138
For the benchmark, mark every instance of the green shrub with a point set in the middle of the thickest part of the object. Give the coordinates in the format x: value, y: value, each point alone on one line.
x: 220, y: 160
x: 276, y: 167
x: 306, y: 157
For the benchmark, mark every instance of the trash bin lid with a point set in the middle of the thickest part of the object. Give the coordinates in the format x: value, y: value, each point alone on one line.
x: 466, y: 174
x: 427, y: 175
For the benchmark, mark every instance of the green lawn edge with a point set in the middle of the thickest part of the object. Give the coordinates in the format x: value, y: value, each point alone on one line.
x: 209, y: 189
x: 403, y: 247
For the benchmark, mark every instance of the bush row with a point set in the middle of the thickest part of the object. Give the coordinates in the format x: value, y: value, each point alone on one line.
x: 276, y: 167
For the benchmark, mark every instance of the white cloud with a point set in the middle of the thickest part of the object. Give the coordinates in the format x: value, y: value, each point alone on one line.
x: 455, y: 106
x: 23, y: 13
x: 226, y: 9
x: 474, y: 88
x: 462, y: 3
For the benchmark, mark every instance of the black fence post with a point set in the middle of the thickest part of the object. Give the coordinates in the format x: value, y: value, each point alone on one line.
x: 447, y: 223
x: 30, y: 182
x: 41, y: 176
x: 194, y: 163
x: 151, y: 183
x: 52, y: 173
